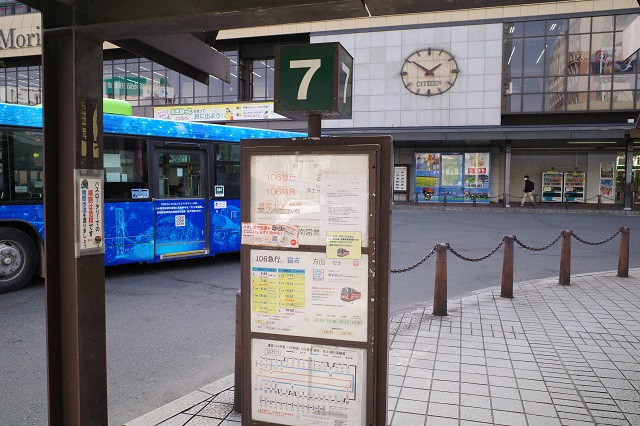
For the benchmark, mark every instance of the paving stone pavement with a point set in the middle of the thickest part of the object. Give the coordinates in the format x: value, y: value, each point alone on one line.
x: 552, y: 355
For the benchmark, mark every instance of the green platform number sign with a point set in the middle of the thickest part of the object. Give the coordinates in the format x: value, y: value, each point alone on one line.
x: 313, y: 79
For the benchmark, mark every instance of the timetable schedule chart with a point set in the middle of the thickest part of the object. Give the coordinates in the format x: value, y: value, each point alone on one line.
x: 309, y: 294
x: 298, y: 383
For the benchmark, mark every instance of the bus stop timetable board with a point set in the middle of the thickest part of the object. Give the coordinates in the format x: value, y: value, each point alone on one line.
x: 315, y: 273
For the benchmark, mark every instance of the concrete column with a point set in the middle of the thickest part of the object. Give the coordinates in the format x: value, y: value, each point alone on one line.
x: 507, y: 174
x: 628, y: 174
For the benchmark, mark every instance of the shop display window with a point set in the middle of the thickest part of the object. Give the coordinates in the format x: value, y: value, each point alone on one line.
x: 458, y: 178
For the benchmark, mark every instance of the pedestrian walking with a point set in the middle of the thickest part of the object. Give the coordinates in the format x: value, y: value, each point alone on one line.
x: 528, y: 190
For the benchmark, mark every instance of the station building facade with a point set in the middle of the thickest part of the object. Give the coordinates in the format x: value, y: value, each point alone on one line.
x: 474, y: 99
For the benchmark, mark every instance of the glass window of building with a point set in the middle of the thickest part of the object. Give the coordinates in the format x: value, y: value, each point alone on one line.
x: 14, y: 8
x: 143, y: 82
x: 578, y: 60
x: 262, y: 79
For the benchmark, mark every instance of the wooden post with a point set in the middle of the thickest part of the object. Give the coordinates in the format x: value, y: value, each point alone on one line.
x: 237, y: 394
x: 315, y: 125
x: 74, y: 277
x: 506, y: 289
x: 440, y: 286
x: 565, y: 258
x: 623, y: 259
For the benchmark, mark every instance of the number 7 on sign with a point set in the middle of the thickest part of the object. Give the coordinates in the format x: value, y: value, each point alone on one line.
x: 313, y: 65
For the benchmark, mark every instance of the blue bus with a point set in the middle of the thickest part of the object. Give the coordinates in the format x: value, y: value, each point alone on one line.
x: 171, y: 190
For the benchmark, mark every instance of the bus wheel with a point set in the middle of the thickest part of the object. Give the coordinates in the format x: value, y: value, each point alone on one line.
x: 18, y: 259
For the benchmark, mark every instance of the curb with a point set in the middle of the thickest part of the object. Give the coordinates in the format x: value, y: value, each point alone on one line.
x: 517, y: 210
x: 176, y: 407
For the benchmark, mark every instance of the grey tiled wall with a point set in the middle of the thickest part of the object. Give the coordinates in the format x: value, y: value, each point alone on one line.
x: 380, y: 98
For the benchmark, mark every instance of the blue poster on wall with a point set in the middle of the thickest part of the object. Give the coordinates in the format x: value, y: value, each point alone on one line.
x: 180, y: 226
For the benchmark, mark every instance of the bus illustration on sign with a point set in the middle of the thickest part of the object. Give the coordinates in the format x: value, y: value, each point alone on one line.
x: 349, y: 294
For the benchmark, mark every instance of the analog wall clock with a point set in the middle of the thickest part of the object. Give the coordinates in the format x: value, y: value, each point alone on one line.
x: 429, y: 72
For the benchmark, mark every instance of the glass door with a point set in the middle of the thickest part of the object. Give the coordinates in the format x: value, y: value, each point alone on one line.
x: 181, y: 227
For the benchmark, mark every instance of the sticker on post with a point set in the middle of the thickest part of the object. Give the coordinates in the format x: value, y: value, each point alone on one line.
x: 89, y: 212
x: 258, y: 234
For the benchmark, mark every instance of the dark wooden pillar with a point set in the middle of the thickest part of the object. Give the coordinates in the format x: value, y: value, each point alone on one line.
x: 74, y: 282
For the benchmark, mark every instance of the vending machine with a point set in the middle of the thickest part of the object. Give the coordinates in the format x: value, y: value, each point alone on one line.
x: 552, y: 186
x: 574, y: 186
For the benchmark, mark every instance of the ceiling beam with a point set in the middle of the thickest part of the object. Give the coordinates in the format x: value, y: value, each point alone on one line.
x: 111, y: 20
x: 183, y: 53
x: 397, y: 7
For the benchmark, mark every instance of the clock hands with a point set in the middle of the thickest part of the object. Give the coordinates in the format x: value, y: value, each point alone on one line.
x: 434, y: 68
x: 426, y: 70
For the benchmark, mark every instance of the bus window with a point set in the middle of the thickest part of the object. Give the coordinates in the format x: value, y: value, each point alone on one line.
x: 228, y: 152
x: 125, y: 167
x: 228, y: 168
x: 228, y: 175
x: 4, y: 166
x: 23, y: 165
x: 179, y: 174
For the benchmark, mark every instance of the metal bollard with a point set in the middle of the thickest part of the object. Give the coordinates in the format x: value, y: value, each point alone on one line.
x: 415, y: 199
x: 599, y: 202
x: 474, y: 199
x: 623, y: 259
x: 566, y: 202
x: 565, y: 258
x: 237, y: 396
x: 445, y: 198
x: 506, y: 289
x: 440, y: 286
x: 534, y: 200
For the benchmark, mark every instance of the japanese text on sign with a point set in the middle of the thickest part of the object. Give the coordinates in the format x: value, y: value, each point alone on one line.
x: 315, y: 193
x: 269, y: 235
x: 308, y: 294
x: 90, y: 228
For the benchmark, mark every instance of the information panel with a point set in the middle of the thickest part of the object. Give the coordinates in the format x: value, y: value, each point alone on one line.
x: 315, y: 193
x: 308, y: 294
x: 303, y: 384
x: 315, y: 280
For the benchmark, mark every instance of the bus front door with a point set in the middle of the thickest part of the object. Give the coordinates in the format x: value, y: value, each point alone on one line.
x: 181, y: 228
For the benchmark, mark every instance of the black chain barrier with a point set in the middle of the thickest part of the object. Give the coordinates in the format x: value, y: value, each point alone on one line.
x: 415, y: 265
x: 476, y: 259
x: 589, y: 243
x: 515, y: 239
x: 524, y: 246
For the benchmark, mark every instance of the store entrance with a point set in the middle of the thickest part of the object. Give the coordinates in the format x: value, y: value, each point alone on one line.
x: 635, y: 185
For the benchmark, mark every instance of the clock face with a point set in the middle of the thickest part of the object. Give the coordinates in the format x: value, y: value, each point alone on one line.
x: 429, y: 72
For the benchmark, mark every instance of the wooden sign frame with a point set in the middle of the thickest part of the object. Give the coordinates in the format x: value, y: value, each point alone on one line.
x: 283, y: 360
